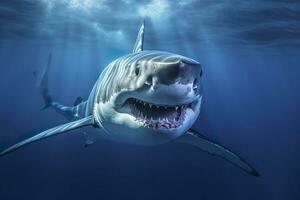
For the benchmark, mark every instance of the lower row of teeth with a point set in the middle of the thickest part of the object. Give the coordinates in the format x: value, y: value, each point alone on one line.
x: 160, y: 122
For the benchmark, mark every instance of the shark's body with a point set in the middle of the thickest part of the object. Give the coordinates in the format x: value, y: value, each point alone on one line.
x: 144, y: 98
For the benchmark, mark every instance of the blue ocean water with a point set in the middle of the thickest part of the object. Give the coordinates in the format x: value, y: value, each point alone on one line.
x: 250, y: 56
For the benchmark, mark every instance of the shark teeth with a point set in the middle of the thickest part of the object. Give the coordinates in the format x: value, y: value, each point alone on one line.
x: 158, y: 116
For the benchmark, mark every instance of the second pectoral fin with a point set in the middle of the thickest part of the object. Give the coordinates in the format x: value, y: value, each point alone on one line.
x: 203, y: 143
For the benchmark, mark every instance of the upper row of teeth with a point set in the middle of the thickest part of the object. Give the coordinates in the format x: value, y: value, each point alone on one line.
x: 157, y: 106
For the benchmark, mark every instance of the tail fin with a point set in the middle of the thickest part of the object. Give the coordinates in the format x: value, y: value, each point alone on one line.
x: 42, y: 83
x: 70, y: 112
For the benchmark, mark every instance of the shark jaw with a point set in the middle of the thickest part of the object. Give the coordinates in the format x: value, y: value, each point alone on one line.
x: 136, y: 118
x: 156, y: 116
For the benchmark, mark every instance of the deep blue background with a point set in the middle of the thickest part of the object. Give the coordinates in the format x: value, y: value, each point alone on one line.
x: 251, y: 104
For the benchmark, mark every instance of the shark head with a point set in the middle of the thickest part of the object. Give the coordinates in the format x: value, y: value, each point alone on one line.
x: 148, y: 97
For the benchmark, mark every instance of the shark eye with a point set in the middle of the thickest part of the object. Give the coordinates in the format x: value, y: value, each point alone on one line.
x: 137, y: 70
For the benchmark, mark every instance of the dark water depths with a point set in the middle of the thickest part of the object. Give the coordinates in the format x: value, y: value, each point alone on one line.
x: 250, y: 56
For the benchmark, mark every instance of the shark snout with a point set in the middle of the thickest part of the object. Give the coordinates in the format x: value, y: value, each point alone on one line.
x: 183, y: 71
x: 174, y: 83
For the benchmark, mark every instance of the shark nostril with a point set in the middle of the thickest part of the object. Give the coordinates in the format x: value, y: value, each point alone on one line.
x: 149, y: 80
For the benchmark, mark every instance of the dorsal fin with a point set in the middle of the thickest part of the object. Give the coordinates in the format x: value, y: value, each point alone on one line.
x: 139, y: 43
x: 77, y: 101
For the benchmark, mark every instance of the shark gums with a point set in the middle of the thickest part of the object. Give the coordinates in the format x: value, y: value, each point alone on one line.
x: 144, y: 98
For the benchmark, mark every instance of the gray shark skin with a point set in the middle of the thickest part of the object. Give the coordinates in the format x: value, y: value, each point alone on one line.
x: 143, y: 98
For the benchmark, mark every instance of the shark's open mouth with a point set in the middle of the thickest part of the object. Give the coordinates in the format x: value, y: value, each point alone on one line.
x: 158, y: 116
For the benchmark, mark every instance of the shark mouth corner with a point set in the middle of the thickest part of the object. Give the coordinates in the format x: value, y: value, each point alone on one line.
x: 158, y: 116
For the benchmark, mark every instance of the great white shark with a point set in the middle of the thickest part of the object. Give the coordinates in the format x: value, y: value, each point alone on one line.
x: 143, y: 98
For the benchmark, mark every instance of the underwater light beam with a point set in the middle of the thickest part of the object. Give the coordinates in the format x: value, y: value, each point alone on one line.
x: 154, y: 9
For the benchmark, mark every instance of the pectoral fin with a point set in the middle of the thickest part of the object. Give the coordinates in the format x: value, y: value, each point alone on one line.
x: 88, y: 121
x: 194, y: 138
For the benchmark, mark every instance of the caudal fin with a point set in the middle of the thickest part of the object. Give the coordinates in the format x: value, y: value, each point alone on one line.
x: 42, y: 83
x: 70, y: 112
